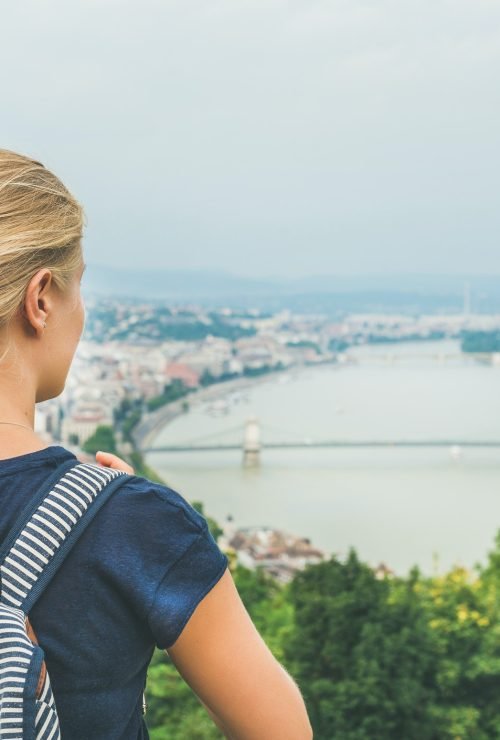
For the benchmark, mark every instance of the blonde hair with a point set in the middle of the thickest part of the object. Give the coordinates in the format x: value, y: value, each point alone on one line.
x: 41, y: 225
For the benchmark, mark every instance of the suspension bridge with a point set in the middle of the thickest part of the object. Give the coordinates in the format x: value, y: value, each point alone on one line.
x: 251, y: 443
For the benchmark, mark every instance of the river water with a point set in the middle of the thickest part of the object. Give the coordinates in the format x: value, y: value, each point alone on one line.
x: 399, y: 506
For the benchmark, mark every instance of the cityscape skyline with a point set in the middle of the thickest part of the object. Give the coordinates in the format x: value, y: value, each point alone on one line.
x: 310, y: 293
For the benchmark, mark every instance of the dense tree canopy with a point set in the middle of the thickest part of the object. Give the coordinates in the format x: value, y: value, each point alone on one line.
x: 376, y: 657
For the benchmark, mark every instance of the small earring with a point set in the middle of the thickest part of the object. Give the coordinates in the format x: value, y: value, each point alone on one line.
x: 44, y: 324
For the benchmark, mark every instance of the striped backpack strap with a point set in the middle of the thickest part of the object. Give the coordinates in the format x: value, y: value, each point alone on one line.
x: 49, y: 527
x: 30, y: 557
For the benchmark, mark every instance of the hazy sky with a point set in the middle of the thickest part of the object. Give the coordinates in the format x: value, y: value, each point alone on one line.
x: 266, y: 137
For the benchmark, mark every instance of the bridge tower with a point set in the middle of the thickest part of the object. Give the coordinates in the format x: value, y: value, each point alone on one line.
x: 251, y: 443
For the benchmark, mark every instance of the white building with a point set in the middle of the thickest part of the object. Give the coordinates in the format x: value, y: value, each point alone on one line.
x: 83, y: 422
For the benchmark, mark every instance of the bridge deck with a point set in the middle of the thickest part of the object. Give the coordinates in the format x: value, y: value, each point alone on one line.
x: 331, y: 443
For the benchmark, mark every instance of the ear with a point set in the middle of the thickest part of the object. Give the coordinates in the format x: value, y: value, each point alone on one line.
x: 38, y: 300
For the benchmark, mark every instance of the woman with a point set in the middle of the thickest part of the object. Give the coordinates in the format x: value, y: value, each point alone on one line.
x: 147, y: 571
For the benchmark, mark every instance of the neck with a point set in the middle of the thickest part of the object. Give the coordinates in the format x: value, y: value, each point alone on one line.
x: 20, y: 414
x: 17, y: 393
x: 17, y: 440
x: 19, y: 443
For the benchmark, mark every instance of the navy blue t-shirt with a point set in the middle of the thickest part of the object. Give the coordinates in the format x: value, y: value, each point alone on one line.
x: 130, y: 583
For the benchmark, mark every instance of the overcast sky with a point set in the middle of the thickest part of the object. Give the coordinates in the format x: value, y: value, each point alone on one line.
x: 265, y: 137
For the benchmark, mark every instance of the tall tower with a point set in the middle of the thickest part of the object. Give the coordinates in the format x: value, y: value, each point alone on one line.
x: 251, y: 443
x: 467, y: 304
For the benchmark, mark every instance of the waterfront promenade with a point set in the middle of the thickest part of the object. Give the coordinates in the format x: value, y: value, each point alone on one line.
x: 394, y: 503
x: 152, y: 423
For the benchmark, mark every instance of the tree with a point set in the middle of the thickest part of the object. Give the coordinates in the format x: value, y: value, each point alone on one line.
x: 481, y: 341
x: 102, y: 439
x: 136, y: 459
x: 207, y: 378
x: 361, y: 651
x: 174, y: 712
x: 268, y: 604
x: 171, y: 392
x: 213, y: 526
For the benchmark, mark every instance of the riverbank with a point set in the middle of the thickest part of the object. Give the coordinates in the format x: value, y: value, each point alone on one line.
x: 397, y: 506
x: 153, y: 423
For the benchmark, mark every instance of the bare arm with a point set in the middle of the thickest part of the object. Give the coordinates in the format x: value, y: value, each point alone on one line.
x: 225, y: 661
x: 216, y: 721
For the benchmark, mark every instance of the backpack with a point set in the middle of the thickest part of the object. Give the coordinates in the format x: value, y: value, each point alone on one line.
x: 33, y: 551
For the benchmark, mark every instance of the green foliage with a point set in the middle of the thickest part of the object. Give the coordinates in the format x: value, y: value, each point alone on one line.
x: 481, y: 341
x: 252, y: 372
x: 338, y: 345
x: 128, y: 415
x: 223, y: 327
x: 124, y: 408
x: 207, y: 378
x: 174, y: 712
x: 140, y: 468
x: 432, y: 336
x: 213, y: 526
x: 172, y: 392
x: 305, y: 344
x: 130, y: 422
x: 102, y: 439
x: 385, y: 658
x: 268, y: 605
x: 361, y: 652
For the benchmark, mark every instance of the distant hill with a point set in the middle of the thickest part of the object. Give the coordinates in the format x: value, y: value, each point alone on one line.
x: 171, y: 284
x: 330, y: 294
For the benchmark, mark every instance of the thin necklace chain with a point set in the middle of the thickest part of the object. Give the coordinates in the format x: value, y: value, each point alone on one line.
x: 17, y: 425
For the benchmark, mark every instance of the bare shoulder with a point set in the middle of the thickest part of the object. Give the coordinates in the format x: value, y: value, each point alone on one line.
x: 226, y: 662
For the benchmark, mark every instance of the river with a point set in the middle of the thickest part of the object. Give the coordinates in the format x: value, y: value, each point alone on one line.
x: 398, y: 506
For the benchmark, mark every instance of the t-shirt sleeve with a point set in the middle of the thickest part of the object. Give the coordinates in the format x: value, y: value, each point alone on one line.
x: 159, y: 553
x: 184, y: 585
